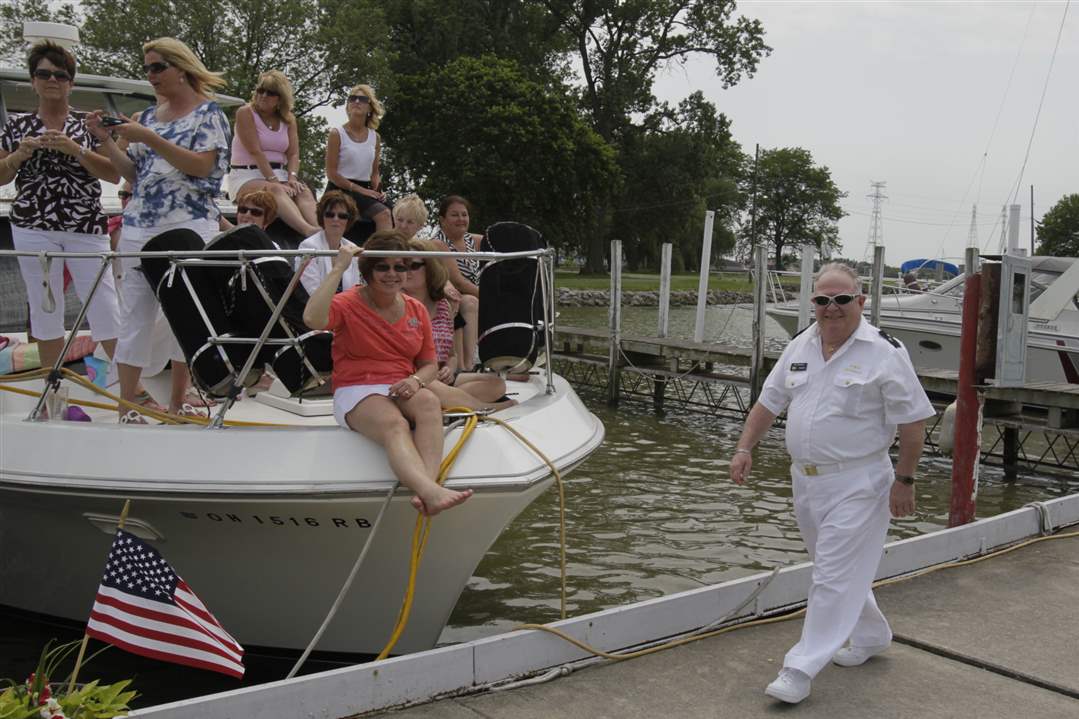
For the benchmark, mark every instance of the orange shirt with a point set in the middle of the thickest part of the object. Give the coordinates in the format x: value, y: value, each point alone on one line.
x: 369, y: 350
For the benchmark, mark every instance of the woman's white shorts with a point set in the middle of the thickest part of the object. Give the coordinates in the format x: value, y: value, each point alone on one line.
x: 345, y: 399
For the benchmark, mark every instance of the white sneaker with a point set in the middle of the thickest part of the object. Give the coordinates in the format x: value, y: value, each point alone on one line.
x: 791, y: 686
x: 853, y: 656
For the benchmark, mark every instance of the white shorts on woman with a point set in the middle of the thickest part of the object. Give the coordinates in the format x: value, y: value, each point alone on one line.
x: 238, y: 177
x: 345, y: 399
x: 138, y: 301
x: 102, y: 312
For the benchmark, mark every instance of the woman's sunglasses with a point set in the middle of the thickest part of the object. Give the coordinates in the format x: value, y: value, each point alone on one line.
x: 356, y: 99
x: 155, y: 68
x: 253, y: 211
x: 337, y: 215
x: 416, y: 265
x: 825, y: 300
x: 385, y: 267
x: 265, y: 91
x: 58, y: 75
x: 124, y: 195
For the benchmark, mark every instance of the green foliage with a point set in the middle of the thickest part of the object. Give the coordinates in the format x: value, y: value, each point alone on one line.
x: 479, y: 128
x: 796, y: 203
x: 677, y: 164
x: 1058, y: 232
x: 13, y: 13
x: 87, y: 701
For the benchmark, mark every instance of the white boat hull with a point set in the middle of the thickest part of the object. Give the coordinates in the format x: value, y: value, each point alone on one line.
x: 265, y: 523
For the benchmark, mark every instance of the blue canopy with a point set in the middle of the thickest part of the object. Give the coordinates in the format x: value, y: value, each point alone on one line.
x: 915, y: 265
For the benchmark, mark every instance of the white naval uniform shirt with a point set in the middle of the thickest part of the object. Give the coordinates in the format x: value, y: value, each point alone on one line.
x: 846, y: 408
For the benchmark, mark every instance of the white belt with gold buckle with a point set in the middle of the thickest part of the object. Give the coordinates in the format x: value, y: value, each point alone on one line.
x: 815, y: 470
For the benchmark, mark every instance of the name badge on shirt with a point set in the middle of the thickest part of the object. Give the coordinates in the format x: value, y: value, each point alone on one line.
x: 799, y: 366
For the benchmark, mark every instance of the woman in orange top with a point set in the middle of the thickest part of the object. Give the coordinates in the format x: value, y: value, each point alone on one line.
x: 383, y: 360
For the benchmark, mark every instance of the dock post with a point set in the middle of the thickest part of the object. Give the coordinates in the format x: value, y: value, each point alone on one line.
x: 968, y: 410
x: 876, y: 289
x: 664, y: 289
x: 756, y: 367
x: 805, y: 286
x: 615, y: 318
x: 702, y: 286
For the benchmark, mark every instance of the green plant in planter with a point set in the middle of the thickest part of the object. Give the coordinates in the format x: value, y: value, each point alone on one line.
x: 37, y: 698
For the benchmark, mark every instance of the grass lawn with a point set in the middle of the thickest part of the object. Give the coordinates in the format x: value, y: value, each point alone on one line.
x: 633, y: 282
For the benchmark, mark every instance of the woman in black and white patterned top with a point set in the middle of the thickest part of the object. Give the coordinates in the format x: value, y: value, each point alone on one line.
x: 57, y: 171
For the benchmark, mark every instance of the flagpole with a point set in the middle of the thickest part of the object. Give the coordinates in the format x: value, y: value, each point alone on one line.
x: 85, y: 636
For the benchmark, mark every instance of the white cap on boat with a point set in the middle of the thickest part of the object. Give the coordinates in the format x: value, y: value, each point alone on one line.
x: 64, y: 35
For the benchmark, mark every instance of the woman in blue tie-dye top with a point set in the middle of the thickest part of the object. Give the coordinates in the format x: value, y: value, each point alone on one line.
x: 175, y: 154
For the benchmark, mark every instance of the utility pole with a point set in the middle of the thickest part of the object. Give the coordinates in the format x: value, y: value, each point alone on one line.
x: 972, y: 234
x: 876, y: 226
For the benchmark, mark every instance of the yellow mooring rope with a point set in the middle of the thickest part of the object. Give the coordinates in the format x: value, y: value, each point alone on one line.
x: 423, y: 524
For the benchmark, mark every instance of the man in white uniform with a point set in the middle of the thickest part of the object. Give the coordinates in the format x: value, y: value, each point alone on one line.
x: 847, y: 387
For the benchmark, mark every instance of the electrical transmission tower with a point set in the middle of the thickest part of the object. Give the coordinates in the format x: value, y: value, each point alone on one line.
x: 876, y: 226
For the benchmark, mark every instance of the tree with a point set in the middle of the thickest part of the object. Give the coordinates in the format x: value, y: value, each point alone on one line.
x: 796, y: 203
x: 479, y: 128
x: 318, y: 44
x: 13, y: 13
x: 1058, y: 232
x: 677, y: 164
x: 621, y: 44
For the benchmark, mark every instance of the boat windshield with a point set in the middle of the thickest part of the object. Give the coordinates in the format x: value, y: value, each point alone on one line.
x: 1039, y: 281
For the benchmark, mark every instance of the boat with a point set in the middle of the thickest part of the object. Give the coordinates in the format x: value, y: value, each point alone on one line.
x: 265, y: 510
x: 928, y: 323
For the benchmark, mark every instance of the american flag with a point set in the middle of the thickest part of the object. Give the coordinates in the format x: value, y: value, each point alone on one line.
x: 144, y: 607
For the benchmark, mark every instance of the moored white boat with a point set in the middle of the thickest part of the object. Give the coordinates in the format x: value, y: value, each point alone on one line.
x: 929, y: 323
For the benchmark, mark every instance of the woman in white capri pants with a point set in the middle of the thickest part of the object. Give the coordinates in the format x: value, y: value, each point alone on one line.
x: 175, y: 154
x: 57, y: 170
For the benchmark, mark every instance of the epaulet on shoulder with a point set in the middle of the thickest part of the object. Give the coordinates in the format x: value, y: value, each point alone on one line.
x: 889, y: 339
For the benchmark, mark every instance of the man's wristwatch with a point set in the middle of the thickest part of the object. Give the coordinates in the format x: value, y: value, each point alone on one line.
x: 907, y: 479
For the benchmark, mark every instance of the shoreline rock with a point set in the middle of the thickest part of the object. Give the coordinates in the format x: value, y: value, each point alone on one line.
x: 648, y: 298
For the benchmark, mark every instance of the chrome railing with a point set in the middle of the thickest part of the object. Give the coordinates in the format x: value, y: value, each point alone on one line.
x: 242, y: 259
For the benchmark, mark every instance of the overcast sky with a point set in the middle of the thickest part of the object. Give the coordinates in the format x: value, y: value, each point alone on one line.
x: 909, y: 93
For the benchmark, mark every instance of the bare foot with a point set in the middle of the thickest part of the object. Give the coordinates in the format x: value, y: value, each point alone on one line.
x: 504, y: 404
x: 440, y: 500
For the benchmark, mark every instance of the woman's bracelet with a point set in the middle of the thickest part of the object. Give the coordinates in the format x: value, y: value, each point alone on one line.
x: 740, y: 450
x: 417, y: 378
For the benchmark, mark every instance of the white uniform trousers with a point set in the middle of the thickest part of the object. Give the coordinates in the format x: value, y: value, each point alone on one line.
x: 138, y: 301
x: 843, y: 518
x: 101, y: 314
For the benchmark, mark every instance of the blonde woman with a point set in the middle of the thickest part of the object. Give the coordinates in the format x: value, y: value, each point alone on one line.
x: 175, y: 155
x: 353, y: 152
x: 410, y: 216
x: 266, y: 153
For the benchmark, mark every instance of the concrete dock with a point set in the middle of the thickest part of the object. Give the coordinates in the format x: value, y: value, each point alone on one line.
x: 999, y: 638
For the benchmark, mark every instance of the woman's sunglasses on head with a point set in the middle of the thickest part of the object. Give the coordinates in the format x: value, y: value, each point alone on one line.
x: 253, y: 211
x: 58, y: 75
x: 825, y: 300
x: 155, y: 68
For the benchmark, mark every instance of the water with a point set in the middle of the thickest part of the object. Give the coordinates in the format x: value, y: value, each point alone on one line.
x: 650, y: 513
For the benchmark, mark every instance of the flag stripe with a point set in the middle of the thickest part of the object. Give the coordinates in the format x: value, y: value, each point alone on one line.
x: 161, y: 631
x: 158, y: 611
x: 203, y: 618
x: 137, y: 646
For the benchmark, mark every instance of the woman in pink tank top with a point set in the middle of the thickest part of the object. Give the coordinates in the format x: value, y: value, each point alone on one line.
x: 266, y: 153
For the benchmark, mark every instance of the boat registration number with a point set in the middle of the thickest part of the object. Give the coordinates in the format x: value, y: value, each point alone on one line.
x: 274, y: 520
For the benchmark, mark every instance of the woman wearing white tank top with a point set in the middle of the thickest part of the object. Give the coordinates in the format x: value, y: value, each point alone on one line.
x: 352, y: 157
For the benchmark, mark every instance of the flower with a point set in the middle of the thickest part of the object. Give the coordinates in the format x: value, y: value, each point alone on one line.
x: 52, y: 710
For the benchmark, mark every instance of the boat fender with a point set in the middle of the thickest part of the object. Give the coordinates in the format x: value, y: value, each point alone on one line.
x: 946, y: 438
x: 890, y: 340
